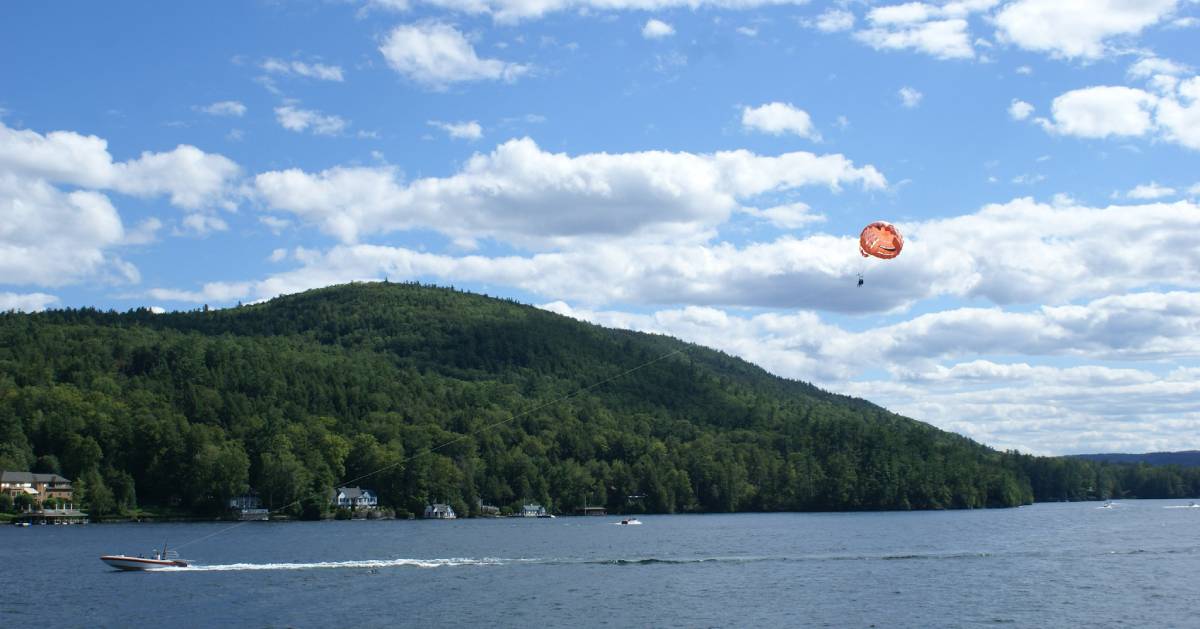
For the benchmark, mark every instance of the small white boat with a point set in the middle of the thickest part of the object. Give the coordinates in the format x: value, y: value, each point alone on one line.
x: 629, y: 522
x: 158, y: 559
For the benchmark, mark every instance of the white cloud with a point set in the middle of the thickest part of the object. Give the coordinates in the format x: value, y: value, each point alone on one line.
x: 834, y: 20
x: 1194, y: 190
x: 657, y: 29
x: 1147, y: 67
x: 524, y: 195
x: 748, y: 31
x: 1104, y: 111
x: 1019, y: 109
x: 225, y: 108
x: 145, y: 232
x: 52, y: 238
x: 311, y: 70
x: 938, y: 30
x: 26, y: 302
x: 779, y: 118
x: 437, y: 55
x: 1026, y: 70
x: 469, y: 130
x: 1100, y: 112
x: 910, y: 97
x: 299, y: 120
x: 1150, y: 191
x: 278, y: 255
x: 788, y: 216
x: 1076, y: 28
x: 191, y: 177
x: 203, y: 224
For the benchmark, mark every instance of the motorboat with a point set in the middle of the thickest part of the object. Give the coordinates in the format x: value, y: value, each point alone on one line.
x: 163, y: 558
x: 629, y: 522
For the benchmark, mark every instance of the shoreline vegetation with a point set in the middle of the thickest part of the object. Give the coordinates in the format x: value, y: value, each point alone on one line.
x: 176, y: 413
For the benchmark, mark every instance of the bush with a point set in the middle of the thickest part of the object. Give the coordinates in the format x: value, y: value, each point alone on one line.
x: 6, y: 503
x: 342, y: 513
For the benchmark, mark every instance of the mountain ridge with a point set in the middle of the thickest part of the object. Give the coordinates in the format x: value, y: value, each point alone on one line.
x: 291, y: 395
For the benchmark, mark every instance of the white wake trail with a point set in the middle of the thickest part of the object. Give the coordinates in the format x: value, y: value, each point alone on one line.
x: 366, y: 563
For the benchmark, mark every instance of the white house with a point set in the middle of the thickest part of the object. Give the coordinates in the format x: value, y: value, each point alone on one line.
x: 354, y: 497
x: 534, y: 510
x: 438, y: 511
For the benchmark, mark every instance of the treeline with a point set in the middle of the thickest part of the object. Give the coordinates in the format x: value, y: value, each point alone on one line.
x: 463, y: 398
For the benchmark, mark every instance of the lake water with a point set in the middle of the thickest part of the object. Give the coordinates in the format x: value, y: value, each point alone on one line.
x: 1063, y: 564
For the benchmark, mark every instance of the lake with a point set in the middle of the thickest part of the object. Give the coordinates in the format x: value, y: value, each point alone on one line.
x: 1058, y: 564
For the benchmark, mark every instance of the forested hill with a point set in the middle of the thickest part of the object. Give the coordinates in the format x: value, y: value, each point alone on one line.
x: 292, y: 396
x: 1185, y: 458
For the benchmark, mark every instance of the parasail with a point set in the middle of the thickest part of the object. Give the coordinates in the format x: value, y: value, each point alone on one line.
x: 880, y: 239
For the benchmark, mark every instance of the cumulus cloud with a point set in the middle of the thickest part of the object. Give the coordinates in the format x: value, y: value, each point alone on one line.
x: 469, y: 130
x: 190, y: 177
x: 1150, y: 191
x: 910, y: 97
x: 318, y: 71
x: 834, y: 20
x: 300, y: 120
x: 203, y: 224
x: 437, y: 55
x: 225, y: 108
x: 27, y: 302
x: 522, y: 194
x: 1118, y: 111
x: 938, y: 30
x: 779, y: 118
x: 1076, y: 29
x: 51, y: 238
x: 1100, y: 112
x: 657, y: 29
x: 1019, y: 109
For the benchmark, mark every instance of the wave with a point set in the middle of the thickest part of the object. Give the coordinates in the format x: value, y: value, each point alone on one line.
x: 365, y: 563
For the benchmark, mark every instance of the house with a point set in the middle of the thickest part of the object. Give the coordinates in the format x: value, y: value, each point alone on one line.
x: 591, y: 511
x: 37, y: 486
x: 355, y: 498
x: 534, y: 510
x: 439, y: 511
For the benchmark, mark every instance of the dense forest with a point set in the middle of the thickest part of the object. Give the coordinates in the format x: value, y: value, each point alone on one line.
x: 469, y: 399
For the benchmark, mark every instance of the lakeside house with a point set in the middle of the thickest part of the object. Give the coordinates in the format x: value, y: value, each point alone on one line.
x: 533, y: 510
x: 39, y: 487
x: 355, y: 498
x: 439, y: 511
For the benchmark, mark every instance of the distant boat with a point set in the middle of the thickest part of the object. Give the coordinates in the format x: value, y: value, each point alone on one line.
x: 1193, y: 505
x: 158, y: 559
x: 629, y: 522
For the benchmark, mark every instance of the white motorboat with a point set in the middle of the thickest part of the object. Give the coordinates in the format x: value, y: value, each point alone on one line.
x: 158, y: 559
x: 629, y: 522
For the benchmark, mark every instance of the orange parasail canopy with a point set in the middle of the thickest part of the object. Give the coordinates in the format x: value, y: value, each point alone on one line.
x: 880, y: 239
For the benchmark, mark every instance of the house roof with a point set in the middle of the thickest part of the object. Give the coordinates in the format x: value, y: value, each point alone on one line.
x: 30, y: 477
x: 353, y: 492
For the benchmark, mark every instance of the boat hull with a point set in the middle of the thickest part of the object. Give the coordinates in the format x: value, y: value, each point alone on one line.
x: 122, y: 562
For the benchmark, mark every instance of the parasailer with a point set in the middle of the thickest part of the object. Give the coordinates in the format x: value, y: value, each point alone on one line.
x: 881, y: 240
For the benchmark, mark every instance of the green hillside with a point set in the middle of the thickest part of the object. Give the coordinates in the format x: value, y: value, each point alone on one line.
x: 295, y: 395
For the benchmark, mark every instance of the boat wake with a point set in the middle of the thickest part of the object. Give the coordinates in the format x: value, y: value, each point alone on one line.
x: 359, y: 564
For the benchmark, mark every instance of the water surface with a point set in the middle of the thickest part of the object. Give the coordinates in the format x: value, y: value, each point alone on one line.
x: 1062, y: 564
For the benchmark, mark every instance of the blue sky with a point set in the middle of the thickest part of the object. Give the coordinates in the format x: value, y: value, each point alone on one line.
x: 697, y: 168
